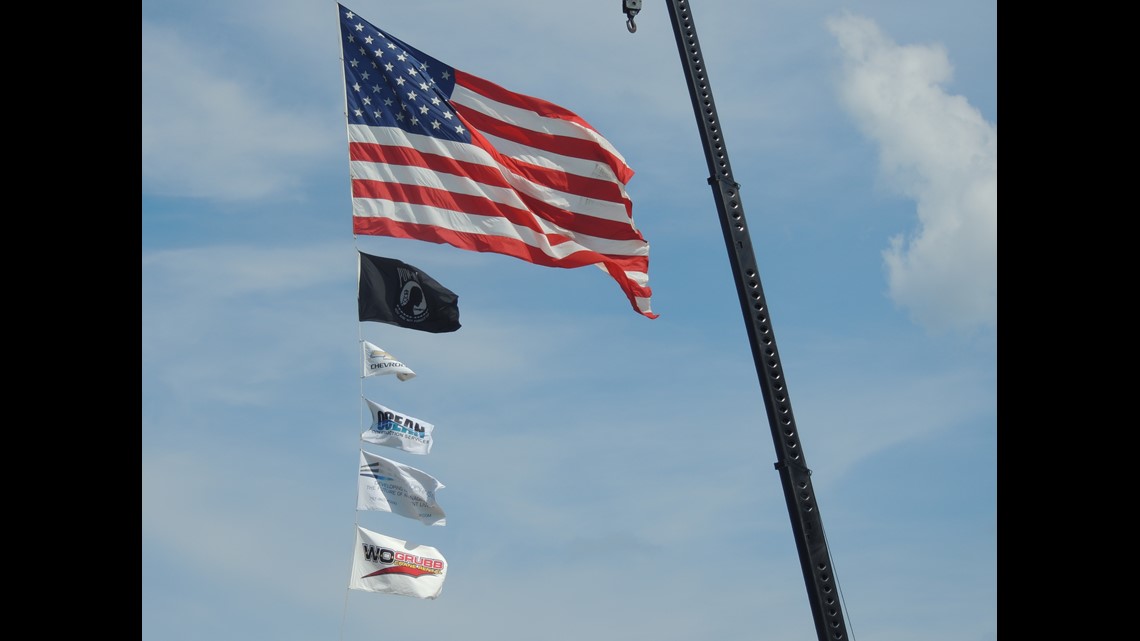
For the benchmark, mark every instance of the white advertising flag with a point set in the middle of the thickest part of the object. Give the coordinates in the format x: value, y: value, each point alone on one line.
x: 384, y: 564
x: 388, y: 486
x: 377, y: 362
x: 398, y: 430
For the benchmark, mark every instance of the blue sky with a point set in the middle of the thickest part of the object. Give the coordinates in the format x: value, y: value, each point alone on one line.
x: 608, y: 476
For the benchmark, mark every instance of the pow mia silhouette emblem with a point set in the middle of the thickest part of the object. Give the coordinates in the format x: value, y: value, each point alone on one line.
x: 413, y: 307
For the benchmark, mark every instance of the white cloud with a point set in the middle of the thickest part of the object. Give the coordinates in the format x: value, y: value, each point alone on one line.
x: 939, y: 150
x: 207, y: 134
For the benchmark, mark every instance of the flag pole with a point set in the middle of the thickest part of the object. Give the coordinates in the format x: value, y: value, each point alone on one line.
x: 795, y: 476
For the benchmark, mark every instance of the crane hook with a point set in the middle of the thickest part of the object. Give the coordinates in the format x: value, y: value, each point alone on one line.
x: 630, y: 7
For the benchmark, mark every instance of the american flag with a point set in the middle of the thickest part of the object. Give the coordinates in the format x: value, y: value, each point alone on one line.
x: 439, y: 155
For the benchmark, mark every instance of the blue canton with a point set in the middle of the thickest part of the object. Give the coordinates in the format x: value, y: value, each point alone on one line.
x: 391, y: 84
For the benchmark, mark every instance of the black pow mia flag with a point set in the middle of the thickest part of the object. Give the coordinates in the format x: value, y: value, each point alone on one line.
x: 396, y: 293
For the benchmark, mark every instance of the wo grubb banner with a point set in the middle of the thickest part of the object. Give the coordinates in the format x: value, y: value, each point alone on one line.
x: 384, y: 564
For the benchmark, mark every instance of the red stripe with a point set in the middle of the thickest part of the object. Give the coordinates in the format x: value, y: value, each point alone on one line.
x: 594, y: 188
x: 406, y: 156
x: 574, y: 222
x: 372, y: 226
x: 499, y: 94
x: 562, y: 145
x: 543, y: 108
x: 568, y: 220
x: 572, y: 184
x: 481, y: 206
x: 418, y: 195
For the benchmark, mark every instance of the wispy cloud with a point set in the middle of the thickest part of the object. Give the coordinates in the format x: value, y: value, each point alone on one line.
x: 207, y: 134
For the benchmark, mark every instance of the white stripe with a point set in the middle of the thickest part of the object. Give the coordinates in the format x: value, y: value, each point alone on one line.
x: 641, y: 278
x: 406, y: 175
x: 421, y: 143
x: 642, y: 304
x: 603, y: 209
x: 543, y: 158
x: 472, y: 153
x: 527, y: 119
x: 495, y: 226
